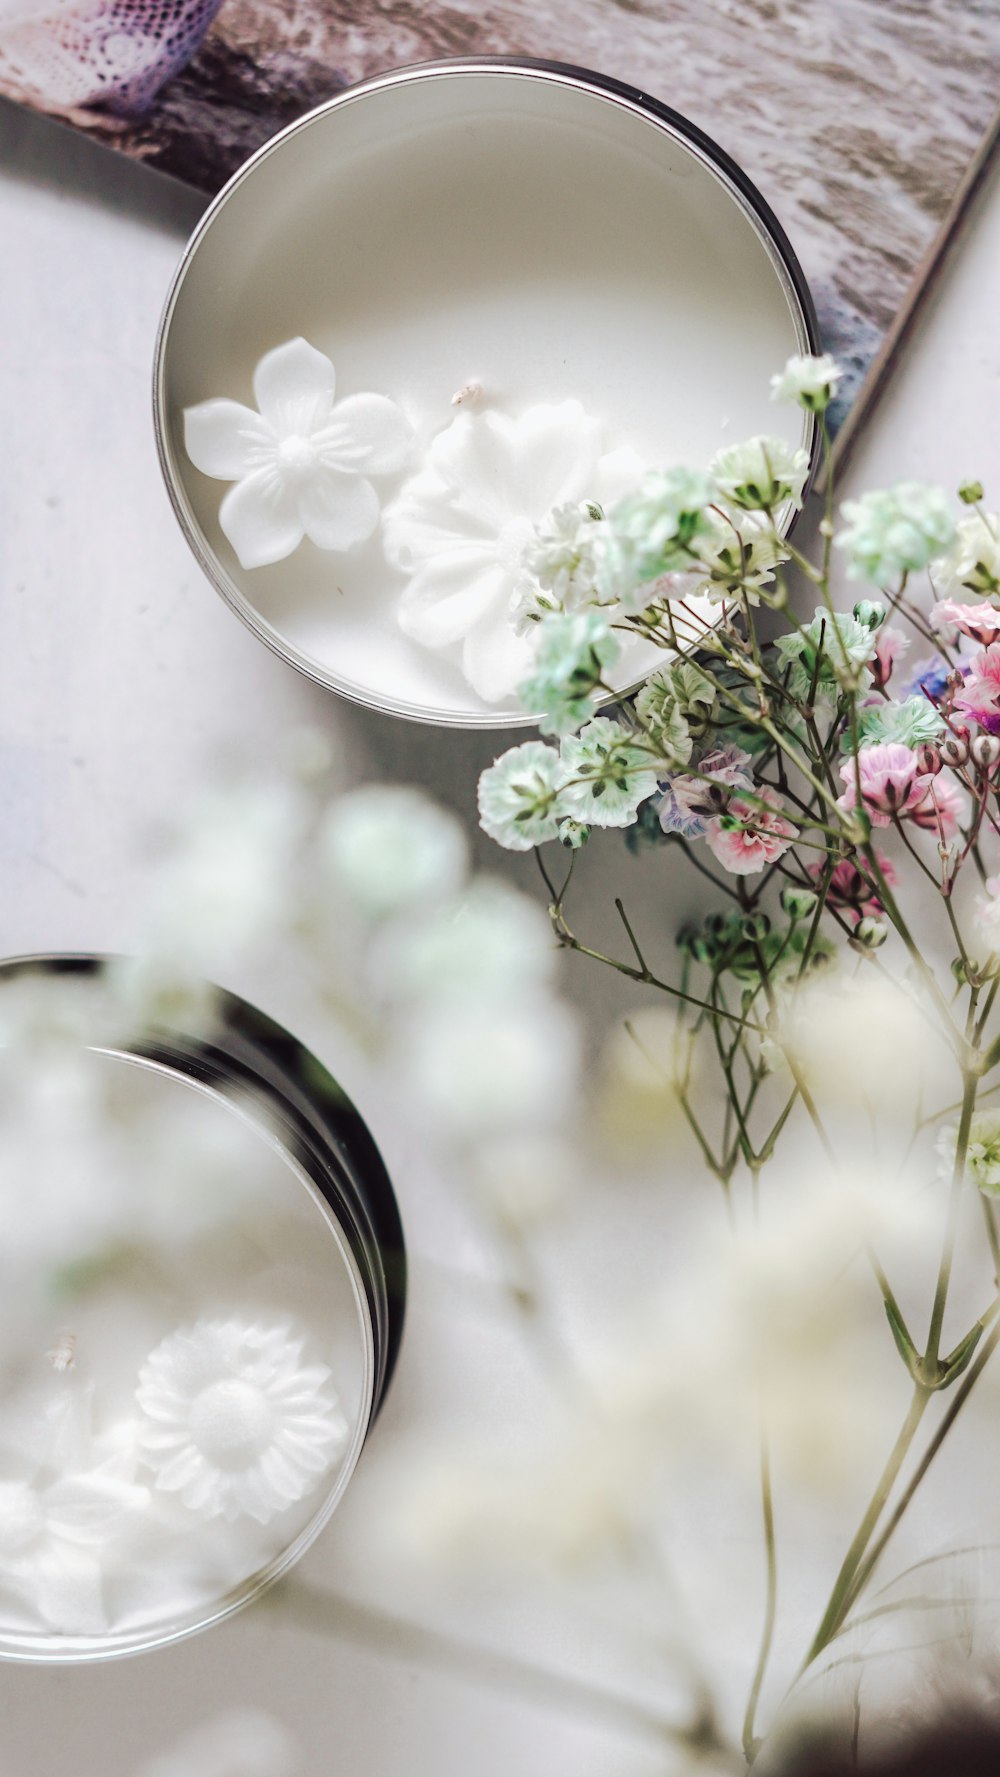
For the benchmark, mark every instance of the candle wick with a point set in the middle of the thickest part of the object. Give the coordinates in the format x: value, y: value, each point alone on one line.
x: 469, y: 392
x: 62, y: 1357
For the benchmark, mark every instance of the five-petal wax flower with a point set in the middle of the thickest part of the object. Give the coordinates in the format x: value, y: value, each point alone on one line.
x: 301, y: 463
x: 237, y: 1423
x: 462, y: 527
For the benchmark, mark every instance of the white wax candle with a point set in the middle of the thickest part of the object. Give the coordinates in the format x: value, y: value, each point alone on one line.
x: 511, y: 238
x: 185, y: 1354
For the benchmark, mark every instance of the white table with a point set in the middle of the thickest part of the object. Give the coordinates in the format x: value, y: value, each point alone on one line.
x: 120, y: 675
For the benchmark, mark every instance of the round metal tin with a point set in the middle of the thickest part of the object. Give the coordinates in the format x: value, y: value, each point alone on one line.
x: 253, y: 1064
x: 247, y: 218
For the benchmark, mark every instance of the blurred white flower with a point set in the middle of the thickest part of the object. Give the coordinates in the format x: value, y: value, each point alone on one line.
x: 895, y: 531
x: 775, y: 1327
x: 575, y: 1498
x: 987, y: 914
x: 461, y: 527
x: 644, y: 1063
x: 389, y: 849
x: 236, y: 1422
x: 811, y: 381
x: 226, y: 883
x: 301, y: 464
x: 486, y: 1068
x: 239, y: 1743
x: 861, y: 1041
x: 525, y: 1178
x: 491, y: 942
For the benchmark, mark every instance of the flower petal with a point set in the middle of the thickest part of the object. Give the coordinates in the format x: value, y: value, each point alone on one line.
x: 225, y: 439
x: 294, y: 388
x: 367, y: 433
x: 556, y: 455
x: 337, y: 510
x: 495, y: 659
x: 424, y: 523
x: 90, y: 1509
x: 260, y: 517
x: 448, y: 596
x: 474, y: 458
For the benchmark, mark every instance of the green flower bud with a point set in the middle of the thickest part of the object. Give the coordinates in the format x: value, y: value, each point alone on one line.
x: 970, y: 493
x: 870, y: 934
x: 756, y: 927
x: 871, y: 612
x: 798, y: 903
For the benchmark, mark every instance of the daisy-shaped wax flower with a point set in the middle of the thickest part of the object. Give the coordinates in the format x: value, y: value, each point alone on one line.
x: 301, y: 463
x: 236, y: 1422
x: 461, y: 529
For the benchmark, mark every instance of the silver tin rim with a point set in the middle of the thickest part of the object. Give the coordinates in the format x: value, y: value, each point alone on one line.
x: 680, y: 130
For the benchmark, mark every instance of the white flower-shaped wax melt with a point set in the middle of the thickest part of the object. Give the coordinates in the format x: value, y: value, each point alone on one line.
x: 301, y: 463
x: 237, y: 1423
x: 459, y: 528
x: 65, y: 1498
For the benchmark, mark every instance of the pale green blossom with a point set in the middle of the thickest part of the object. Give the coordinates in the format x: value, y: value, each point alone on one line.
x: 834, y: 649
x: 811, y: 381
x: 520, y: 796
x: 733, y: 559
x: 574, y: 649
x: 761, y: 474
x: 490, y: 940
x: 607, y: 775
x: 653, y: 530
x: 895, y: 531
x: 972, y: 563
x: 663, y: 721
x: 387, y: 848
x: 915, y: 722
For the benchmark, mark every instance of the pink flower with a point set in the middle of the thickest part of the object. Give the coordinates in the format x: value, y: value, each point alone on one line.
x: 980, y: 695
x: 890, y: 647
x: 941, y: 809
x: 747, y: 838
x: 891, y: 782
x: 851, y: 888
x: 725, y: 768
x: 981, y: 623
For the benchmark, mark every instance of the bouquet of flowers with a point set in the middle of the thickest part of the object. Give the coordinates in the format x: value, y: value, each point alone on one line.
x: 834, y: 778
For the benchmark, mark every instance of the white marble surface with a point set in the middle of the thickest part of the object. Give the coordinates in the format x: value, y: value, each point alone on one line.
x: 121, y: 674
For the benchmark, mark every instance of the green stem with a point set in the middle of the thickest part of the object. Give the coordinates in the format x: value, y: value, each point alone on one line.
x: 838, y: 1603
x: 961, y: 1395
x: 750, y: 1742
x: 970, y: 1086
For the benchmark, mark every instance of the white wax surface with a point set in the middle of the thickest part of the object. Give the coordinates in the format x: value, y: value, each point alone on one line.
x: 206, y: 1217
x: 538, y: 239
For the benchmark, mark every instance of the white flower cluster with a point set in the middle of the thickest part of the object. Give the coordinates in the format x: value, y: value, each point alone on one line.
x: 597, y: 778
